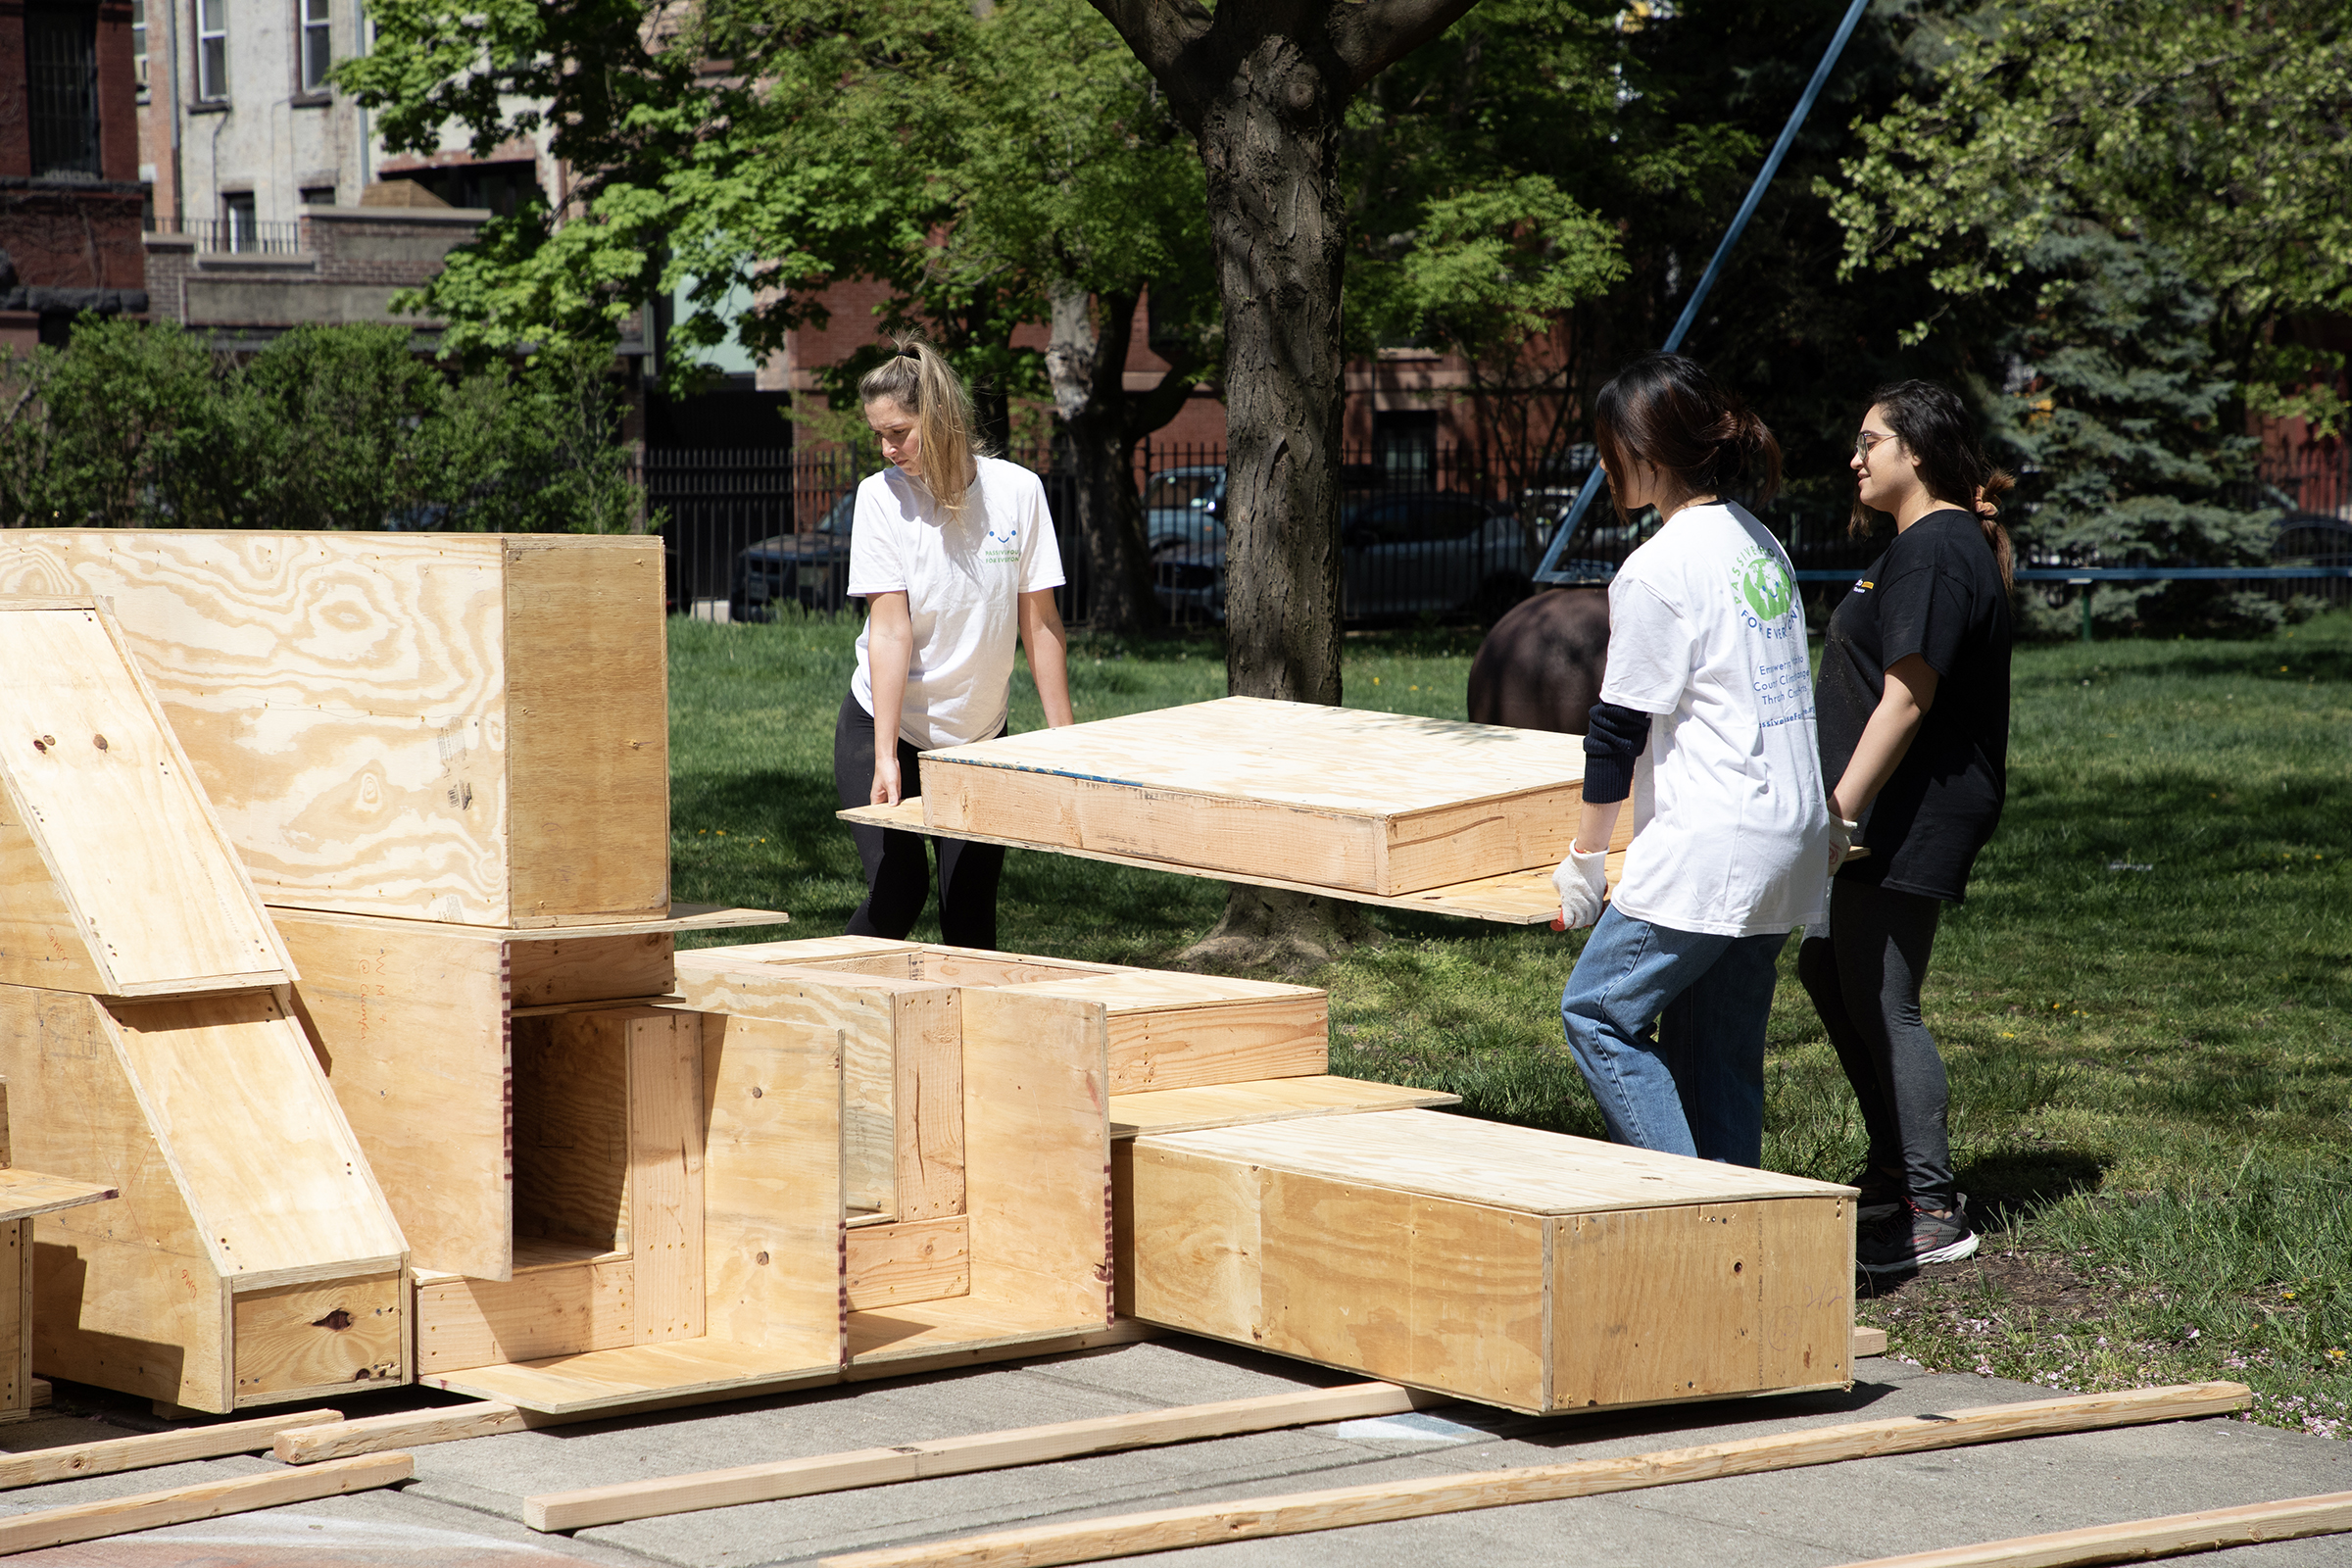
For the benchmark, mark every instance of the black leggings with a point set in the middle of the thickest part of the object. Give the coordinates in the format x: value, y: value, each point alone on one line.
x: 897, y: 877
x: 1864, y: 980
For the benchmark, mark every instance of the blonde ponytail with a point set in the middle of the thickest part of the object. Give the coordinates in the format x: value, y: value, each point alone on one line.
x: 926, y: 386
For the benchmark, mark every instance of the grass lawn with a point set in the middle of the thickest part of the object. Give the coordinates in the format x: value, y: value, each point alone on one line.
x: 2142, y: 1004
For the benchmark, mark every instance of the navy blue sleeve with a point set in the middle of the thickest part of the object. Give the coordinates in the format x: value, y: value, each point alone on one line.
x: 1614, y: 737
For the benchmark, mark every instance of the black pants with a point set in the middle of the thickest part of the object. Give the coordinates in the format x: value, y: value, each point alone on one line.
x: 898, y: 878
x: 1864, y: 979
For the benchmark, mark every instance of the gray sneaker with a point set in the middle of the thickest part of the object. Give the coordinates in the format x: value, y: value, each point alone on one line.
x: 1909, y: 1237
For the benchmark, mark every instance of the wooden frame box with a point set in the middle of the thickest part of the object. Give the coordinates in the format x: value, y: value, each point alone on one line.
x: 1503, y: 1264
x: 252, y: 1259
x: 409, y: 724
x: 1299, y: 793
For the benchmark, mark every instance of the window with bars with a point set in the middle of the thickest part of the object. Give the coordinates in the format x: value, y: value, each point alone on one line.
x: 61, y: 57
x: 238, y: 218
x: 212, y: 49
x: 317, y: 51
x: 138, y: 44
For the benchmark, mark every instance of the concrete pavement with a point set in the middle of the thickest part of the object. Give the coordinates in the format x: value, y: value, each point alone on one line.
x: 464, y: 1509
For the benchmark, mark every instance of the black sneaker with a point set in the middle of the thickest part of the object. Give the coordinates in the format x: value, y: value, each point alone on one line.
x: 1883, y: 1192
x: 1910, y: 1236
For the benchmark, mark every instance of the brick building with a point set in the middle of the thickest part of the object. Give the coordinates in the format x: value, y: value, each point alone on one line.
x: 69, y: 193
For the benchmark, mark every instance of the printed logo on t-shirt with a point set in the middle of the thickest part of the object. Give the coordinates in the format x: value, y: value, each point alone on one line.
x: 1003, y: 544
x: 1765, y: 590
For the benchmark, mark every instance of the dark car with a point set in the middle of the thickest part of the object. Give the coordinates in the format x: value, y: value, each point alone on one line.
x: 808, y: 570
x: 1434, y: 552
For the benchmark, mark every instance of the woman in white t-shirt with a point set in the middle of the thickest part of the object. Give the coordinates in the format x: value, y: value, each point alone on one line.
x: 954, y: 553
x: 1705, y: 720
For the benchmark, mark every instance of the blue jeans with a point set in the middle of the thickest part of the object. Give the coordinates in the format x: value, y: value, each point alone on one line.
x: 1668, y: 1029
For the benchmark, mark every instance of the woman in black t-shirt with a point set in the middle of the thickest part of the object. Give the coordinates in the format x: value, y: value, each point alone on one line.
x: 1913, y: 705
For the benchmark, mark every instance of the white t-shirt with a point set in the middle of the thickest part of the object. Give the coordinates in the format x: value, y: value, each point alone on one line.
x: 1730, y: 822
x: 961, y: 579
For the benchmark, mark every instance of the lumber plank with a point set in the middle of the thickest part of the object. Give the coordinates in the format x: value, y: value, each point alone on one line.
x: 1869, y: 1342
x: 944, y: 1457
x: 911, y: 1260
x: 94, y: 775
x: 2173, y: 1535
x: 550, y: 1310
x: 151, y: 1510
x: 27, y: 1192
x: 927, y: 1104
x: 1248, y: 1103
x: 1511, y: 898
x: 1177, y: 1030
x: 620, y: 1379
x: 665, y: 1172
x: 1169, y: 1529
x: 110, y: 1455
x: 773, y: 1188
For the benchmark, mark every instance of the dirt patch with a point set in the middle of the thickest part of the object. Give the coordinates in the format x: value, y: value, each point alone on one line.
x: 2050, y: 1285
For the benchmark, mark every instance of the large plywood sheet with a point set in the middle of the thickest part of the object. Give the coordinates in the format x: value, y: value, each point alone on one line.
x: 403, y: 723
x: 1384, y: 803
x: 117, y: 877
x: 773, y: 1188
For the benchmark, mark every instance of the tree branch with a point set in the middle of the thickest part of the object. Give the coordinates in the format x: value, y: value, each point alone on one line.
x: 1371, y: 36
x: 1159, y: 32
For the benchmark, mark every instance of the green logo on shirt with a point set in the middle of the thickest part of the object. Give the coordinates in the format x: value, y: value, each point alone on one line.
x: 1766, y: 587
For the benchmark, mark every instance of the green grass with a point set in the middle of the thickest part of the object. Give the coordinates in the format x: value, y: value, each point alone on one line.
x: 2151, y: 1068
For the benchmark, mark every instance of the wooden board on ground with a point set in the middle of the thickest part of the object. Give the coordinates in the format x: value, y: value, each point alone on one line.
x: 116, y: 876
x: 606, y: 1380
x: 252, y: 1259
x: 1515, y: 897
x: 1242, y: 1104
x: 1380, y: 804
x: 412, y: 724
x: 151, y: 1510
x: 113, y: 1455
x: 1508, y: 1265
x: 2177, y: 1535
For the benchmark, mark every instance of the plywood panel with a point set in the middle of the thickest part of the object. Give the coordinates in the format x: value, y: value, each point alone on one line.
x: 127, y: 1316
x: 270, y: 1165
x: 91, y: 770
x: 1658, y: 1303
x: 1242, y: 1104
x: 41, y: 940
x: 571, y: 1129
x: 926, y: 1104
x: 1805, y: 1306
x: 1189, y: 1252
x: 544, y: 972
x: 1175, y: 1031
x: 332, y: 1334
x: 636, y: 1374
x: 1429, y: 1292
x: 410, y: 1021
x: 1334, y: 796
x: 16, y: 1319
x: 587, y: 729
x: 913, y: 1261
x: 1036, y: 1177
x: 552, y: 1311
x: 771, y: 1187
x: 958, y: 1331
x: 27, y: 1192
x: 665, y: 1171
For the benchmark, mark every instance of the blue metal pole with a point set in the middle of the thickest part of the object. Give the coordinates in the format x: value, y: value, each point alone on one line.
x: 1547, y: 572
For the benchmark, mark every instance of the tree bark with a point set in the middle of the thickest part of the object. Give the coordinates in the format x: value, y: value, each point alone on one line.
x: 1086, y: 359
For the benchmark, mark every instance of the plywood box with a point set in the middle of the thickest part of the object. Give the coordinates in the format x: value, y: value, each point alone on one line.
x: 460, y: 727
x: 1299, y: 793
x: 1503, y: 1264
x: 115, y: 877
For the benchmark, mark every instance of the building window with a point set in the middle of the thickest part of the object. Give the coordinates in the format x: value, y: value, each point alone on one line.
x: 212, y: 49
x: 316, y: 56
x: 61, y: 49
x: 138, y: 44
x: 238, y: 219
x: 317, y: 195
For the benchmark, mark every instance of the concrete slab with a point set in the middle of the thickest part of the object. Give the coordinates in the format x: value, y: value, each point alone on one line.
x: 464, y: 1507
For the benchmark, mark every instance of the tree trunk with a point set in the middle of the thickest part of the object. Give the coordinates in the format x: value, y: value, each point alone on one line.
x: 1087, y: 359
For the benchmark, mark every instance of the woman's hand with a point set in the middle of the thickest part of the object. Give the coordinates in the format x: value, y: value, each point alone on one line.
x: 886, y: 779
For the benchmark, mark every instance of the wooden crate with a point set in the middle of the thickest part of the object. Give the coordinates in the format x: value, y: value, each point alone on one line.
x: 460, y: 727
x: 115, y: 877
x: 252, y: 1259
x: 415, y: 1023
x: 1297, y: 793
x: 1515, y: 1267
x: 23, y: 1195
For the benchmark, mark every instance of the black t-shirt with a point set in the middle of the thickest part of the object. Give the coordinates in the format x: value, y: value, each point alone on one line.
x: 1937, y: 591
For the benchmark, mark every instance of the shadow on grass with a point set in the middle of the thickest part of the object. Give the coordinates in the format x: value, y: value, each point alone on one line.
x: 2005, y: 1190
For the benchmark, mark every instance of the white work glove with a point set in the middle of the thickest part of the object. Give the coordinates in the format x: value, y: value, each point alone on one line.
x: 1841, y: 840
x: 1582, y: 882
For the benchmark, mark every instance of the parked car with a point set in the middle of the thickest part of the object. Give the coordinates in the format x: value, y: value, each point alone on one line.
x: 810, y: 570
x: 1182, y: 506
x: 1436, y: 551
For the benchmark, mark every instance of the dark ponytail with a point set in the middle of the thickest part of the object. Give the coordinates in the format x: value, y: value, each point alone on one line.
x: 1668, y: 410
x: 1934, y: 427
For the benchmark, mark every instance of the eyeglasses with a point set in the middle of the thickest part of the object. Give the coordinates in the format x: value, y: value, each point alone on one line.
x: 1866, y: 440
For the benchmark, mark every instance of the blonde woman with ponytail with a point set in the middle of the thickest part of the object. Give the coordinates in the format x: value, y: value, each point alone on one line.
x: 1705, y: 721
x: 954, y: 554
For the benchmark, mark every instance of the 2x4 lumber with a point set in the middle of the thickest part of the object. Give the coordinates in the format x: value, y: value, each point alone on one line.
x: 112, y: 1456
x: 1300, y: 1513
x: 665, y: 1172
x: 2173, y: 1535
x: 949, y: 1456
x: 1512, y: 898
x: 1249, y: 1104
x: 178, y: 1505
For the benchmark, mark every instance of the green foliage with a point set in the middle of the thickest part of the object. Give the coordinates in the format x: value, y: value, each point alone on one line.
x: 2119, y: 417
x: 327, y: 428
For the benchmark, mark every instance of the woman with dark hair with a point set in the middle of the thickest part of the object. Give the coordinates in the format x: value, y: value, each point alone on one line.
x: 954, y: 554
x: 1914, y: 700
x: 1705, y: 720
